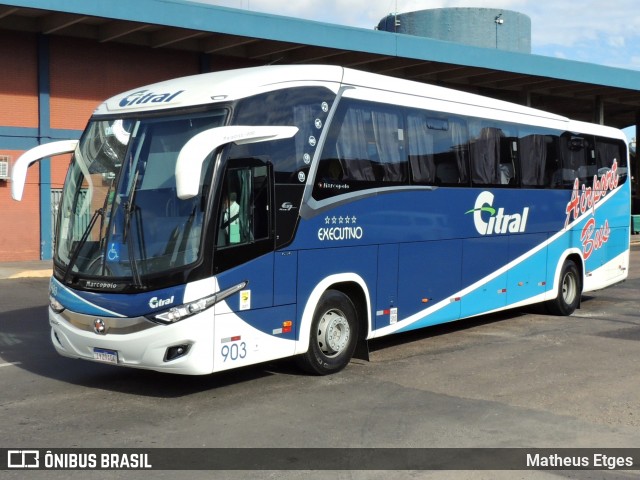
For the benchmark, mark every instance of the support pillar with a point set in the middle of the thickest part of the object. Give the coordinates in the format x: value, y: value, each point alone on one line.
x: 598, y: 111
x: 635, y: 172
x: 204, y: 63
x: 44, y: 135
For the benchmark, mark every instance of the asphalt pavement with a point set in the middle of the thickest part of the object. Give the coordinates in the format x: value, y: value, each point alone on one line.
x: 517, y: 379
x: 514, y: 379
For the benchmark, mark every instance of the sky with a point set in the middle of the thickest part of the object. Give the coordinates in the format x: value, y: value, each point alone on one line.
x: 600, y: 32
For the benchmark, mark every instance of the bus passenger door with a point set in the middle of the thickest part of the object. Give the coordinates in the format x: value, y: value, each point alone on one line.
x: 248, y: 327
x: 244, y: 234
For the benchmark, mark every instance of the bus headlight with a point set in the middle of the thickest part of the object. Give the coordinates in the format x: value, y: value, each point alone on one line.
x: 175, y: 314
x: 55, y: 305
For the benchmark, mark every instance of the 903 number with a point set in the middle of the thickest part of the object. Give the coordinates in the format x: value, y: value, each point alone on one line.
x: 234, y: 351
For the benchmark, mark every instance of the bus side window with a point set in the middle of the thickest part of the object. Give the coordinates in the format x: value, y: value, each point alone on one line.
x: 389, y: 138
x: 572, y: 155
x: 533, y: 159
x: 484, y: 152
x: 452, y: 154
x: 355, y: 147
x: 508, y: 161
x: 421, y: 149
x: 607, y: 152
x: 437, y: 149
x: 364, y: 149
x: 370, y: 144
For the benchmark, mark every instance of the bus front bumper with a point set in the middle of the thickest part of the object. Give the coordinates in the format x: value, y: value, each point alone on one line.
x: 184, y: 347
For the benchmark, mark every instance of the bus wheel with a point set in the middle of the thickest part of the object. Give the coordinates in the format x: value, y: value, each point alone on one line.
x: 334, y: 334
x: 569, y: 293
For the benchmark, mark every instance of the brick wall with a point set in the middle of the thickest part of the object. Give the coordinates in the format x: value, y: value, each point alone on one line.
x: 83, y: 73
x: 19, y: 221
x: 18, y: 80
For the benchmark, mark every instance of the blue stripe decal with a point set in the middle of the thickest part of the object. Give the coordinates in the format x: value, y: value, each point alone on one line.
x: 598, y: 245
x: 76, y: 303
x: 117, y: 304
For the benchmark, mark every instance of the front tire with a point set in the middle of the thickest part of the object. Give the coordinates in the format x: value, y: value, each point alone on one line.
x: 569, y: 292
x: 334, y: 334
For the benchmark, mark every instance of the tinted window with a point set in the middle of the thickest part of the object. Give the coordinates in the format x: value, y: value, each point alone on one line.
x: 492, y: 153
x: 365, y: 148
x: 533, y: 151
x: 609, y: 152
x: 372, y: 145
x: 304, y: 107
x: 438, y: 148
x: 572, y: 160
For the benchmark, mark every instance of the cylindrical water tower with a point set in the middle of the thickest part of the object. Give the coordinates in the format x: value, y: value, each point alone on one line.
x: 480, y: 27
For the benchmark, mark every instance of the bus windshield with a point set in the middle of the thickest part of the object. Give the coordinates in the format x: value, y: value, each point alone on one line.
x: 120, y: 216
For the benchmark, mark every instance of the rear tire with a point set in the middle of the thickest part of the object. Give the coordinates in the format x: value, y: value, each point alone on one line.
x: 569, y: 291
x: 334, y: 334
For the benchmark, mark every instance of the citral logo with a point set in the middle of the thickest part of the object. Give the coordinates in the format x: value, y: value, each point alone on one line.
x: 497, y: 222
x: 156, y: 302
x: 145, y: 96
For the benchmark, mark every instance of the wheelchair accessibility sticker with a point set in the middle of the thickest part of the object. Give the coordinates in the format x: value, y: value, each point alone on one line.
x: 113, y: 253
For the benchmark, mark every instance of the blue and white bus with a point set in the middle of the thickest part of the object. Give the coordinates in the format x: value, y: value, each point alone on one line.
x: 231, y: 218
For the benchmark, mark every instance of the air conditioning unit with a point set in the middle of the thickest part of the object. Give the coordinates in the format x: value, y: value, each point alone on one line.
x: 4, y: 167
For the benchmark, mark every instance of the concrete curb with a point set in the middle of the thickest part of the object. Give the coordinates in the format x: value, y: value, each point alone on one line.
x: 29, y: 269
x: 31, y: 274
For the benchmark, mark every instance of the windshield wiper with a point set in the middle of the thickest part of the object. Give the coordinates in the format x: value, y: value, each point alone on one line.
x: 129, y: 207
x: 137, y: 281
x: 72, y: 261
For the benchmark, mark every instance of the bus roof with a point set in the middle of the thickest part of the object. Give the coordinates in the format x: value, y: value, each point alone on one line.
x: 210, y: 88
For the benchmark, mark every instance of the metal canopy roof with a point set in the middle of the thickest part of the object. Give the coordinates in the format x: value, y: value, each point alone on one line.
x: 575, y: 89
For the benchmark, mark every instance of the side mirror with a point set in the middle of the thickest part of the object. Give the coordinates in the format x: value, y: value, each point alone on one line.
x: 195, y: 151
x: 19, y: 173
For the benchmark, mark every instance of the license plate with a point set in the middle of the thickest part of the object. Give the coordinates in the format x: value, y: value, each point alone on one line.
x: 106, y: 356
